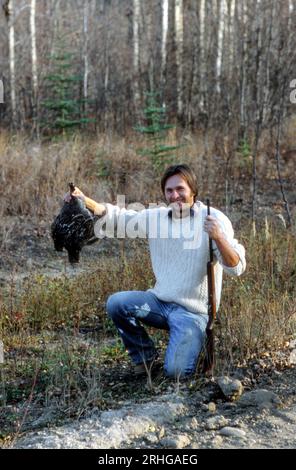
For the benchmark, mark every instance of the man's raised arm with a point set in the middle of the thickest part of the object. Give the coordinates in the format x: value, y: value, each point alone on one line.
x: 95, y: 207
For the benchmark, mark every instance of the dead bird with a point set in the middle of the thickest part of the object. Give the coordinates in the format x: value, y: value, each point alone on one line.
x: 73, y: 227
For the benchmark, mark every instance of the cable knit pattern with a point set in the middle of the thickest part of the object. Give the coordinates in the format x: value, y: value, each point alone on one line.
x: 179, y: 257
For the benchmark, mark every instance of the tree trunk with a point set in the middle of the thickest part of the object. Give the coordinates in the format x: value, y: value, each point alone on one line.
x: 85, y: 54
x: 221, y: 24
x: 243, y: 17
x: 164, y: 33
x: 136, y: 56
x: 231, y: 36
x: 202, y: 59
x: 179, y: 53
x: 12, y: 63
x: 34, y: 67
x: 55, y: 14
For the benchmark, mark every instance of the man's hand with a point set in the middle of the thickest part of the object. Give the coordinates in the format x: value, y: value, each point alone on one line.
x: 76, y: 193
x: 212, y: 227
x: 229, y: 255
x: 95, y: 207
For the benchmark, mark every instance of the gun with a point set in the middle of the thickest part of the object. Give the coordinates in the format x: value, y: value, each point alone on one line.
x: 209, y: 350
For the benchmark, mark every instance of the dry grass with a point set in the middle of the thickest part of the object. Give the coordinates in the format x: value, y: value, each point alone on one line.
x: 34, y: 176
x: 258, y: 311
x: 47, y: 362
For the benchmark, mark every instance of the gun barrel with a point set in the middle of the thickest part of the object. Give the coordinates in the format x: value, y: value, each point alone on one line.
x: 209, y: 359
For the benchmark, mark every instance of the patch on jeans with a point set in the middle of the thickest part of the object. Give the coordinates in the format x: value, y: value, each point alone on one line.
x: 133, y: 321
x: 143, y: 311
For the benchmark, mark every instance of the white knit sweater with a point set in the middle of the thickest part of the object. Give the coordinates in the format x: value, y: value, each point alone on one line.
x: 179, y: 250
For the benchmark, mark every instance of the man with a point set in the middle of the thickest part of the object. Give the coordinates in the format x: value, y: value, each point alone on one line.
x: 178, y: 242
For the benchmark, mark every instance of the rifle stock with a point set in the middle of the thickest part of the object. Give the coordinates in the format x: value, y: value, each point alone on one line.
x: 210, y: 351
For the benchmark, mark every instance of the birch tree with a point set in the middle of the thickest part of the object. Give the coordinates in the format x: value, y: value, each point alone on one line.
x: 179, y: 53
x: 189, y: 49
x: 232, y: 38
x: 85, y: 52
x: 10, y: 18
x: 202, y: 55
x: 34, y: 65
x: 243, y: 19
x: 221, y: 24
x: 136, y: 47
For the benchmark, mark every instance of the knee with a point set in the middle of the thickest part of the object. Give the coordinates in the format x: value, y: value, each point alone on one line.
x: 114, y: 305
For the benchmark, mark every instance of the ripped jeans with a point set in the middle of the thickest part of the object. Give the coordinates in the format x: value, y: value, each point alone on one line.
x: 186, y: 329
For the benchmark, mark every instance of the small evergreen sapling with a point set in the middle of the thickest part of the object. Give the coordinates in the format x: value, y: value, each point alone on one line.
x: 156, y: 130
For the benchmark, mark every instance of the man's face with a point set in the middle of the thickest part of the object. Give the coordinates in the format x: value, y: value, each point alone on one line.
x: 178, y: 193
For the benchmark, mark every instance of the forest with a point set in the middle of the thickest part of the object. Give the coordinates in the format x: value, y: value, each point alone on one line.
x: 227, y: 64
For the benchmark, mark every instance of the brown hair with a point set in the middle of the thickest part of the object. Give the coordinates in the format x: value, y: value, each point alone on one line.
x: 186, y: 172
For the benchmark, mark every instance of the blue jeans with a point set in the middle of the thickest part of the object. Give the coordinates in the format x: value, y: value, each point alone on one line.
x: 186, y: 329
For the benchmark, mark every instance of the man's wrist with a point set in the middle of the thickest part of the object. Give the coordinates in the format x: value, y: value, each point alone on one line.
x: 220, y: 238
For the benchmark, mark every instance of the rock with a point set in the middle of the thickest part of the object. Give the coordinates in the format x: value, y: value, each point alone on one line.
x: 152, y: 438
x: 194, y: 424
x: 113, y: 428
x: 46, y: 418
x: 217, y: 441
x: 292, y: 357
x: 233, y: 432
x: 232, y: 389
x: 216, y: 422
x: 191, y: 425
x: 161, y: 433
x: 277, y: 373
x: 259, y: 398
x: 229, y: 406
x: 292, y: 344
x: 176, y: 442
x: 204, y: 407
x: 211, y: 407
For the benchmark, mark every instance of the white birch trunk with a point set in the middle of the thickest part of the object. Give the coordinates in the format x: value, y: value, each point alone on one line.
x: 232, y: 40
x: 202, y: 64
x: 194, y: 93
x: 164, y: 33
x: 179, y: 52
x: 266, y: 87
x: 136, y: 22
x: 85, y: 53
x: 106, y: 78
x: 290, y: 26
x: 244, y: 17
x: 12, y: 62
x: 221, y: 22
x: 34, y: 62
x: 262, y: 67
